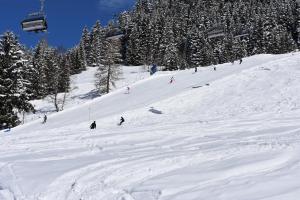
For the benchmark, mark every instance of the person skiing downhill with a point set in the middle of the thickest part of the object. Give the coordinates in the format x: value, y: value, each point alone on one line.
x: 122, y: 120
x: 45, y: 119
x: 172, y: 79
x: 93, y: 125
x: 128, y: 89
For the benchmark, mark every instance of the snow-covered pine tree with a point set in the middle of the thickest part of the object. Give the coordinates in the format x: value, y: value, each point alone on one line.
x: 168, y: 47
x: 85, y: 42
x: 97, y: 38
x: 195, y: 47
x: 29, y: 71
x: 267, y: 24
x: 77, y: 59
x: 82, y: 57
x: 38, y: 76
x: 64, y: 74
x: 13, y: 86
x: 51, y: 71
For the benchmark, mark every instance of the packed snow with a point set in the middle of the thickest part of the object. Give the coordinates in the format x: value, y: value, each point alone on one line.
x: 229, y: 134
x: 83, y: 89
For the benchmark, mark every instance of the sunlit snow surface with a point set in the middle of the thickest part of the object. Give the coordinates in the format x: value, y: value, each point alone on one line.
x: 234, y: 136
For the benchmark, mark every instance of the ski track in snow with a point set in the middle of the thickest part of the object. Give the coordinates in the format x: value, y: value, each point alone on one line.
x: 225, y: 141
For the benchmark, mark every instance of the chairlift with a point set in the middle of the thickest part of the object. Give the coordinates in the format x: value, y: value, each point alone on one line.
x: 35, y: 22
x: 242, y: 34
x: 216, y: 32
x: 114, y: 33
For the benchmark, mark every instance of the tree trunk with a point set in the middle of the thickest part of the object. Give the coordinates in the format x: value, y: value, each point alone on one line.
x: 108, y: 79
x: 55, y: 102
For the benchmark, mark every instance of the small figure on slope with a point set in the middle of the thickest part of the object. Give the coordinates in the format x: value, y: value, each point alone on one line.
x: 128, y: 90
x: 215, y: 68
x: 93, y: 125
x: 45, y: 119
x: 122, y: 120
x: 241, y: 60
x: 172, y: 80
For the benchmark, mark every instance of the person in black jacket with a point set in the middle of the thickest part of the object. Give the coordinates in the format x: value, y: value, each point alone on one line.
x: 122, y: 120
x: 93, y: 125
x: 45, y: 119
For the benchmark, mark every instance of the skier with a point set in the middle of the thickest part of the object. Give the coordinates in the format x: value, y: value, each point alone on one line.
x: 153, y: 69
x: 122, y: 120
x: 45, y: 119
x: 128, y: 89
x: 93, y: 125
x: 196, y: 69
x: 215, y: 68
x: 172, y: 79
x: 241, y: 60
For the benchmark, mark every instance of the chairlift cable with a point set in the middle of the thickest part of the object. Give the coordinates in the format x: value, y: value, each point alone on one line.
x: 42, y: 6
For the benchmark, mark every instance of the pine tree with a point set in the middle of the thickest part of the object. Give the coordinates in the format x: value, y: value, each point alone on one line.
x: 168, y: 48
x: 266, y: 26
x: 13, y: 86
x: 38, y: 76
x: 97, y: 38
x: 85, y: 43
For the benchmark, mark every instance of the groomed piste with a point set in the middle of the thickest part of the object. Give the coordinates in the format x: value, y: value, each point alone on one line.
x: 229, y: 134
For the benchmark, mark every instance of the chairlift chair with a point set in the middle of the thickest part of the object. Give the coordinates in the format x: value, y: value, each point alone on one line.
x: 114, y: 33
x: 216, y: 32
x: 35, y: 22
x: 242, y: 34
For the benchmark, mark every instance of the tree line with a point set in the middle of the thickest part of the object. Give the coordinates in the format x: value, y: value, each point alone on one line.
x: 176, y: 33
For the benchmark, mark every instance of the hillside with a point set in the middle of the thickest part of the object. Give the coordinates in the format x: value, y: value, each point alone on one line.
x: 229, y: 134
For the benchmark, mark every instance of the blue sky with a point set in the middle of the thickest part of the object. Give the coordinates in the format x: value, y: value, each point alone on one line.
x: 66, y: 18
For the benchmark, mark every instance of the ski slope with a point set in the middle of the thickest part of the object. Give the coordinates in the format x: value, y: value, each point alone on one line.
x: 82, y: 89
x: 230, y: 134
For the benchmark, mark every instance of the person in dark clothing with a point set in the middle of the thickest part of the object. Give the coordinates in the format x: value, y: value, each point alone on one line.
x: 172, y: 80
x: 215, y: 68
x: 93, y: 125
x: 122, y: 120
x: 45, y: 119
x: 241, y: 60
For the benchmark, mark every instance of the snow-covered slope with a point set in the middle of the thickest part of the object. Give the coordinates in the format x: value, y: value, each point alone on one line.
x: 230, y: 134
x: 82, y: 89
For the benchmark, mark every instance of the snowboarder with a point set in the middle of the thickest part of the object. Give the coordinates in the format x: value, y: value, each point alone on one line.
x: 122, y: 120
x: 45, y: 119
x: 172, y: 79
x: 196, y: 69
x: 215, y: 68
x: 241, y: 60
x: 93, y: 125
